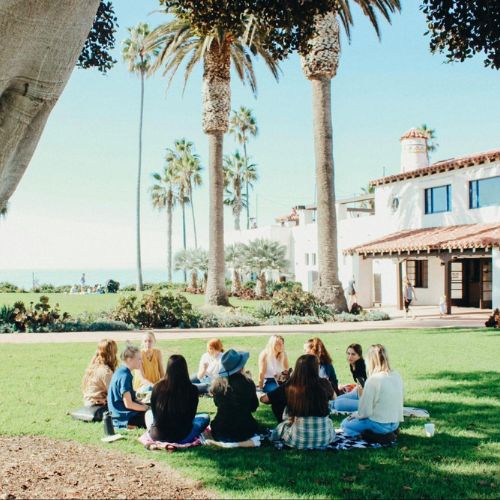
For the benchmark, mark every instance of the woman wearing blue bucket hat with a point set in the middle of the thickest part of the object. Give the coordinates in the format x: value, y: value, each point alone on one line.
x: 236, y: 399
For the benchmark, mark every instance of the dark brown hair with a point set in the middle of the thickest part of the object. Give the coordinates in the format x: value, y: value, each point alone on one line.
x: 304, y: 388
x: 172, y: 393
x: 317, y: 348
x: 357, y: 349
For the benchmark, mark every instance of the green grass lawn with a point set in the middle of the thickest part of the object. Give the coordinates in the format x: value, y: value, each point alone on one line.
x: 451, y: 372
x: 76, y: 304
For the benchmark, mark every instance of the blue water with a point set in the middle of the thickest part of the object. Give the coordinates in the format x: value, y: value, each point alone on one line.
x: 24, y: 277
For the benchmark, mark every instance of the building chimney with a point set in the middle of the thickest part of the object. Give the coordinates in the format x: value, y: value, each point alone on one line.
x: 414, y: 150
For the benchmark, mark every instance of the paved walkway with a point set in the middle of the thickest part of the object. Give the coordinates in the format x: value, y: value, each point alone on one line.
x: 424, y: 317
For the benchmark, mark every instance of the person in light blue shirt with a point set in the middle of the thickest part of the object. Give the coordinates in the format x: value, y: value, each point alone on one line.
x: 122, y: 403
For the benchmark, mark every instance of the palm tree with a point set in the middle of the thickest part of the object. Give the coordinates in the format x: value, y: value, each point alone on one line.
x: 163, y: 197
x: 193, y: 261
x: 217, y: 49
x: 234, y: 258
x: 263, y: 255
x: 243, y: 125
x: 138, y: 58
x: 432, y: 144
x: 320, y: 63
x: 368, y: 203
x: 237, y: 173
x: 189, y: 174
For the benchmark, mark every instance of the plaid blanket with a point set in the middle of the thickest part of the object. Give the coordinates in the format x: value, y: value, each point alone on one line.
x: 342, y: 443
x: 151, y: 444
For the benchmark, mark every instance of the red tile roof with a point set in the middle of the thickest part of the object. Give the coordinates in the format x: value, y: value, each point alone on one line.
x: 441, y: 166
x: 461, y: 237
x: 415, y: 133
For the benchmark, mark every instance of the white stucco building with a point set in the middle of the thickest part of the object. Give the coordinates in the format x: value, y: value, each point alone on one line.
x: 438, y: 225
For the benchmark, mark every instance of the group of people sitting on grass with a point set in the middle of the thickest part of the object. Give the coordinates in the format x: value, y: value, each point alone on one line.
x: 301, y: 399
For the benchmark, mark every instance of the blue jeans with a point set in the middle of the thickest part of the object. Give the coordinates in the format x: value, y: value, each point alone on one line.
x: 270, y: 385
x: 355, y: 426
x: 202, y: 385
x: 346, y: 402
x: 200, y: 423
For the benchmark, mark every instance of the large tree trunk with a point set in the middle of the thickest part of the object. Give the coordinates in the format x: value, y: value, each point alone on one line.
x: 320, y: 66
x: 260, y: 286
x: 139, y: 285
x: 237, y: 206
x: 216, y: 108
x: 169, y: 241
x: 40, y: 42
x: 194, y: 279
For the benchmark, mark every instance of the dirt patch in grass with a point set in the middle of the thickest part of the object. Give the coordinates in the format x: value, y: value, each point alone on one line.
x: 38, y: 467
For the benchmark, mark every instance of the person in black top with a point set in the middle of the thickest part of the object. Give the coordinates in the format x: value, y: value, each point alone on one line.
x: 303, y: 395
x: 350, y: 400
x: 174, y: 401
x: 235, y: 398
x: 316, y: 347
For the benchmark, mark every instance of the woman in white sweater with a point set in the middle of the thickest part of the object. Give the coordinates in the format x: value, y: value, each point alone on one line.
x: 381, y: 403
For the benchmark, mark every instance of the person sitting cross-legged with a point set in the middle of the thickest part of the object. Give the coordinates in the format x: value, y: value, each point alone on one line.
x: 122, y: 402
x: 235, y: 397
x: 381, y: 404
x: 306, y: 423
x: 174, y: 402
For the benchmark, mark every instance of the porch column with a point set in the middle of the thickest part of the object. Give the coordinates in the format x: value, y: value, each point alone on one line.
x: 399, y: 278
x: 447, y: 282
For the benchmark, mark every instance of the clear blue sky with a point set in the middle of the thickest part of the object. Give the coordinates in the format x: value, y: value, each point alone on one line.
x: 75, y: 207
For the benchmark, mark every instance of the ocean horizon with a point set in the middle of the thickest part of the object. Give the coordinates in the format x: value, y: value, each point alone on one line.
x: 24, y: 278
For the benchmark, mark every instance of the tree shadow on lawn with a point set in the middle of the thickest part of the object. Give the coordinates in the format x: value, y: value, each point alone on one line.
x: 453, y: 464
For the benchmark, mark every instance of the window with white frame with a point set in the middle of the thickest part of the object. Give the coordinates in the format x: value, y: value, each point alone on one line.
x: 313, y: 259
x: 417, y: 271
x: 307, y: 259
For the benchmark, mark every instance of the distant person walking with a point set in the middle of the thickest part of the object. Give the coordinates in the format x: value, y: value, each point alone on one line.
x: 409, y: 296
x: 82, y: 283
x: 351, y: 294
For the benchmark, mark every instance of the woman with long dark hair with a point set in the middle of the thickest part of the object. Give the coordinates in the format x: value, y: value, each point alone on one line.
x: 350, y: 400
x: 326, y: 370
x: 305, y: 397
x: 174, y: 402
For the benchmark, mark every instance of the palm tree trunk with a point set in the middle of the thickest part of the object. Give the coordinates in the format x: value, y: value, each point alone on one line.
x: 40, y: 44
x: 184, y: 233
x: 169, y: 241
x: 194, y: 279
x: 246, y: 184
x: 237, y: 206
x: 216, y: 109
x: 216, y: 287
x: 139, y: 285
x: 260, y: 286
x: 236, y: 282
x: 194, y: 220
x: 328, y: 289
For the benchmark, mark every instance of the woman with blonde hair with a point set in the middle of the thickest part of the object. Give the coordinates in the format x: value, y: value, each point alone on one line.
x: 381, y: 404
x: 98, y: 374
x: 273, y: 360
x: 209, y: 366
x: 151, y: 364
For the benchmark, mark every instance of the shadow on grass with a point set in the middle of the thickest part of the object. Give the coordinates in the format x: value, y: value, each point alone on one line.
x: 458, y: 462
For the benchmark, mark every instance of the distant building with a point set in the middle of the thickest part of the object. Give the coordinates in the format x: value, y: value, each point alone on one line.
x: 438, y: 225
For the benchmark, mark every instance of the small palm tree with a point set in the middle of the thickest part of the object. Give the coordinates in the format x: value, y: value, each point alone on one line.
x: 243, y: 125
x: 432, y: 144
x: 217, y: 48
x: 238, y: 173
x: 368, y: 203
x: 319, y: 63
x: 138, y: 58
x: 263, y: 255
x: 234, y: 255
x: 163, y: 197
x: 193, y: 261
